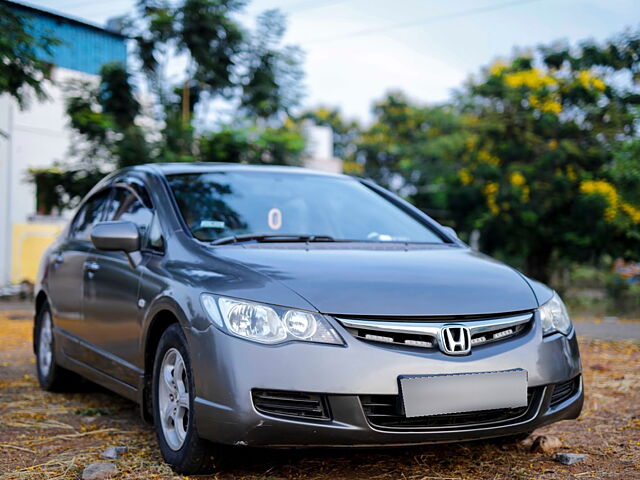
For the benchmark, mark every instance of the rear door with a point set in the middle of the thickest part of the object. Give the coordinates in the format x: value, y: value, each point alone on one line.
x: 111, y: 292
x: 65, y: 278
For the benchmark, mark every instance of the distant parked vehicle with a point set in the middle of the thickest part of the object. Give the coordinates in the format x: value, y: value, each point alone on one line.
x: 274, y: 306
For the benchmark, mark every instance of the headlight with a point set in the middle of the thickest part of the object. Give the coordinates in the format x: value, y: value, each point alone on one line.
x: 555, y: 317
x: 267, y: 323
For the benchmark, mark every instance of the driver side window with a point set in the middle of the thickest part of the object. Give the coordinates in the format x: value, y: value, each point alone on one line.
x: 126, y: 206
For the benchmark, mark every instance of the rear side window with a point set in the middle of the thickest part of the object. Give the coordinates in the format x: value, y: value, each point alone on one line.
x: 88, y: 215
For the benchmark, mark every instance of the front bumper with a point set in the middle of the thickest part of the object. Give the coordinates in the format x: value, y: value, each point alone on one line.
x: 227, y: 369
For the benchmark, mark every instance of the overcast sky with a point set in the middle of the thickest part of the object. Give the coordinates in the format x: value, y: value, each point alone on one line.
x: 356, y: 50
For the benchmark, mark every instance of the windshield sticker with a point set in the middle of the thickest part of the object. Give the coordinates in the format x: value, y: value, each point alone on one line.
x: 211, y: 224
x: 274, y: 219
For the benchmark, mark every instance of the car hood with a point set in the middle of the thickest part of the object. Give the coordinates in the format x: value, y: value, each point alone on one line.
x: 390, y: 280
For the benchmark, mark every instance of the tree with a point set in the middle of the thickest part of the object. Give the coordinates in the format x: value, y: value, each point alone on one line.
x: 247, y: 71
x: 412, y: 149
x: 544, y: 175
x: 23, y: 66
x: 103, y: 119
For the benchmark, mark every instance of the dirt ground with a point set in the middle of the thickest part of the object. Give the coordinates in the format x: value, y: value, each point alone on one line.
x: 54, y: 436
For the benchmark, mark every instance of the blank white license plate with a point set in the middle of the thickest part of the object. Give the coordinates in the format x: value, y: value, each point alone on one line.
x: 465, y: 392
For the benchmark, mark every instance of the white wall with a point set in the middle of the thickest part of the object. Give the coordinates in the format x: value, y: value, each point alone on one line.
x: 5, y: 187
x: 319, y: 150
x: 39, y: 136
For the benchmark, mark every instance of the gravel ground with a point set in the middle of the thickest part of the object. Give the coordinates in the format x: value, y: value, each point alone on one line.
x: 47, y: 436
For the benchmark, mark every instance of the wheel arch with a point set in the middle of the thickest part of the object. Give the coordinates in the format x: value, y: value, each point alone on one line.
x: 162, y: 317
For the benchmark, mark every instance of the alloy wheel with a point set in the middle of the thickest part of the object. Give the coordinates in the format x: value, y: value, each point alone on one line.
x: 173, y: 398
x: 45, y: 345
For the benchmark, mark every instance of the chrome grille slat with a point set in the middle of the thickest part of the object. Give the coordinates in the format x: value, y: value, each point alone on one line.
x: 398, y: 332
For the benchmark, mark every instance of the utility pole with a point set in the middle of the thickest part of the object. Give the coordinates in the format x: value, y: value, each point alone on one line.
x: 185, y: 102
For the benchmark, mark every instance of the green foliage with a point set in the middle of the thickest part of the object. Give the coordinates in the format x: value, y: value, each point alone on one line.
x: 538, y: 153
x: 271, y: 146
x: 539, y: 160
x: 273, y: 79
x: 224, y: 61
x: 104, y: 117
x: 22, y: 70
x: 58, y: 189
x: 412, y: 148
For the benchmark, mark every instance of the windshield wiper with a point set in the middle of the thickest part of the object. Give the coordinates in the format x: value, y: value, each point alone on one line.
x: 273, y: 238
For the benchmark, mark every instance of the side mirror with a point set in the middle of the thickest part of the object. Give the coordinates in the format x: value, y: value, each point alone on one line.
x: 451, y: 232
x: 116, y: 236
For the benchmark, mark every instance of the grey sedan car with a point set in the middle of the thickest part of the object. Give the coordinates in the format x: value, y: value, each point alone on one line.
x: 282, y: 307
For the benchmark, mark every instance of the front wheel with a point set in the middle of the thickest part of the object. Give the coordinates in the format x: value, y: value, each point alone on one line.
x: 52, y: 377
x: 173, y: 413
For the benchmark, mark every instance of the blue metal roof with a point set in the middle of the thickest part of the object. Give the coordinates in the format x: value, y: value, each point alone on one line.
x: 85, y: 47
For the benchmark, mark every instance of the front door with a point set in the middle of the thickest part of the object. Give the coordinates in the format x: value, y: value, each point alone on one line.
x: 111, y: 295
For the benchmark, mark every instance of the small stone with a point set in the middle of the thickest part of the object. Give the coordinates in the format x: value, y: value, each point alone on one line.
x: 99, y: 471
x: 570, y: 458
x: 527, y: 443
x: 111, y: 453
x: 546, y: 444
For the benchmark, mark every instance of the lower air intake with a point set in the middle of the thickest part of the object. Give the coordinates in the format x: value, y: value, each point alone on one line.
x: 563, y: 391
x: 283, y: 403
x: 386, y: 412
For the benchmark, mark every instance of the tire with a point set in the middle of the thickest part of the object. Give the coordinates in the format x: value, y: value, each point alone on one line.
x: 172, y: 396
x: 52, y: 377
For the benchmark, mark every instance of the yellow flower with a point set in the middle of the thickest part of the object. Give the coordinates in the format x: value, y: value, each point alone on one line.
x: 497, y: 67
x: 584, y: 78
x: 465, y: 177
x: 589, y: 80
x: 551, y: 106
x: 517, y: 179
x: 548, y: 105
x: 606, y: 190
x: 471, y: 143
x: 633, y: 212
x: 598, y: 84
x: 532, y: 78
x: 352, y: 168
x: 484, y: 156
x: 491, y: 192
x: 323, y: 113
x: 571, y: 173
x: 553, y: 144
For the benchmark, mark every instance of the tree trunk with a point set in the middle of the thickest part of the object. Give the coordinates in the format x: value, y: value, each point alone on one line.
x: 538, y: 262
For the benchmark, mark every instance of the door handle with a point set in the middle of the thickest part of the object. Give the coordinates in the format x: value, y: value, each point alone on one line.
x: 91, y: 266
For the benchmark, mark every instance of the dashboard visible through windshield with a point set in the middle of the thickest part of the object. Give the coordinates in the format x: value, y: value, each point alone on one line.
x: 217, y: 205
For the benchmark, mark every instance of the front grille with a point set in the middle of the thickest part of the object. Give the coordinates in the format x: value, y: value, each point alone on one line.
x: 563, y: 391
x: 423, y: 333
x: 386, y: 412
x: 291, y: 404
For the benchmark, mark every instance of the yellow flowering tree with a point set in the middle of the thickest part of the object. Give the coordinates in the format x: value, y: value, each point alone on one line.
x: 541, y: 173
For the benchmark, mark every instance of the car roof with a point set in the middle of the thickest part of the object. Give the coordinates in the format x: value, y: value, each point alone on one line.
x: 205, y: 167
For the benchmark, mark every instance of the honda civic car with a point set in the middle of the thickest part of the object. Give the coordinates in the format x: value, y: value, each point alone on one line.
x: 283, y: 307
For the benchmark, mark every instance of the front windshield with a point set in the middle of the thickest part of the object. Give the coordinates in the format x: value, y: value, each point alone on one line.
x: 216, y: 205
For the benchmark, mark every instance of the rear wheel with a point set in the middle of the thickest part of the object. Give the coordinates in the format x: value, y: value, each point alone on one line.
x: 173, y: 395
x: 51, y: 376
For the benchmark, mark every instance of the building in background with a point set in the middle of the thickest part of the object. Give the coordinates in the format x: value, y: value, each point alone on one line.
x: 39, y: 135
x: 318, y: 153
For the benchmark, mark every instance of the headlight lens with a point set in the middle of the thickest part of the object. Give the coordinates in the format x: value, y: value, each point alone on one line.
x: 268, y: 324
x: 555, y: 317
